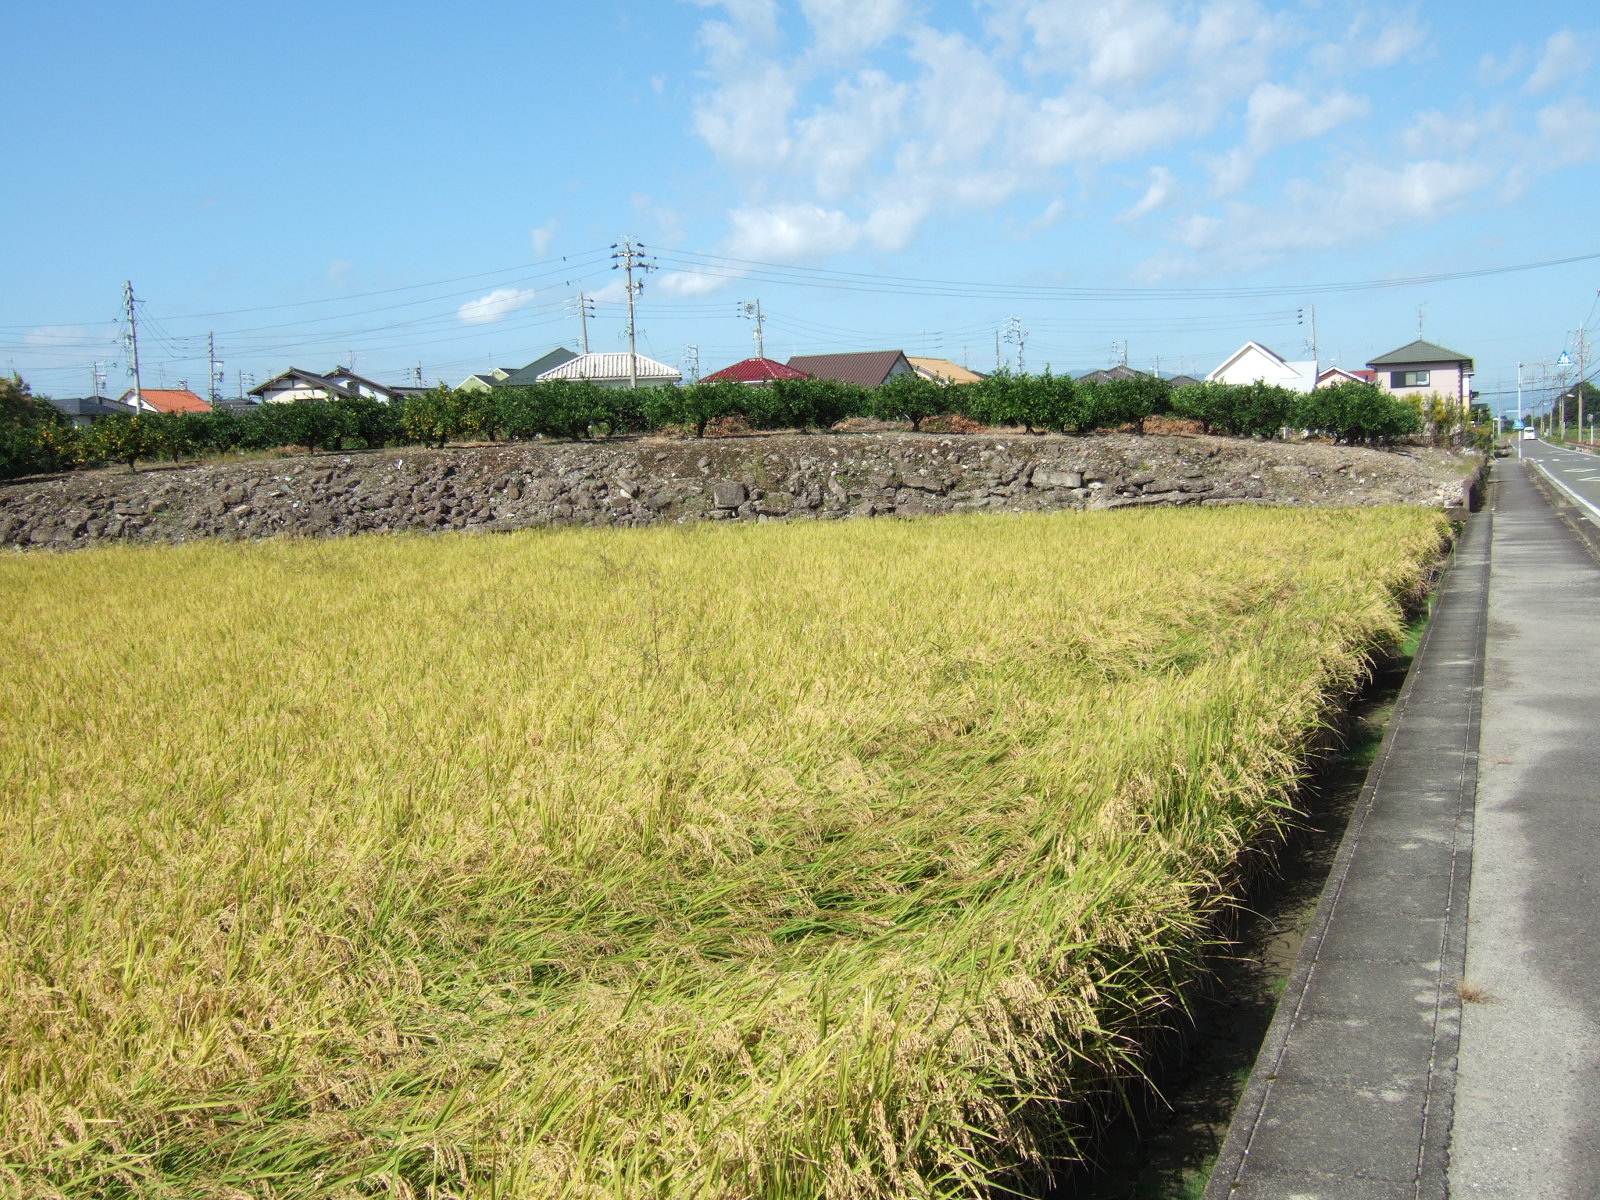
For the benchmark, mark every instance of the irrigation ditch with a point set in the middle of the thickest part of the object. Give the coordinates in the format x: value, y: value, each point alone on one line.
x: 1162, y: 1140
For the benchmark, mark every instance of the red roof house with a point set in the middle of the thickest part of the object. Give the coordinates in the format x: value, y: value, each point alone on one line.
x: 165, y: 400
x: 755, y: 370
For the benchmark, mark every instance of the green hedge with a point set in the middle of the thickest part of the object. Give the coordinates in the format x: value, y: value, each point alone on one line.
x: 34, y: 437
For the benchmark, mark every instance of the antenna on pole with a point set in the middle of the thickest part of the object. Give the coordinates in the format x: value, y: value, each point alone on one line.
x: 630, y: 256
x: 751, y: 310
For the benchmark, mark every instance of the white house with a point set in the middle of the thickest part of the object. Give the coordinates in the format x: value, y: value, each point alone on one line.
x: 614, y: 371
x: 1423, y: 369
x: 339, y: 384
x: 1254, y: 363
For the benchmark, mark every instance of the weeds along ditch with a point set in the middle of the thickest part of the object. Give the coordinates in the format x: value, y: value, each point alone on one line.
x: 846, y: 859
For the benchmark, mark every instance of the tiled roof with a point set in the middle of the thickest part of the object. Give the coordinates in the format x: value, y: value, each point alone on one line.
x: 610, y: 366
x: 310, y: 378
x: 1419, y: 352
x: 89, y: 406
x: 169, y: 400
x: 943, y: 369
x: 755, y: 370
x: 1113, y: 374
x: 866, y: 369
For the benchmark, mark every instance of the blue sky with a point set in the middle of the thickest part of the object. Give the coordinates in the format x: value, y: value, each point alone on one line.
x: 434, y: 185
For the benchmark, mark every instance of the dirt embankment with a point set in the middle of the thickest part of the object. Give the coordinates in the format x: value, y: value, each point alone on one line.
x: 652, y: 481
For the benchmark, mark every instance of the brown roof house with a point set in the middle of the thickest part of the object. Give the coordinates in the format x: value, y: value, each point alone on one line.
x: 1424, y: 369
x: 871, y: 368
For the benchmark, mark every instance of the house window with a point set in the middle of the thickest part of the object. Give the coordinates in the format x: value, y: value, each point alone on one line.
x: 1402, y: 379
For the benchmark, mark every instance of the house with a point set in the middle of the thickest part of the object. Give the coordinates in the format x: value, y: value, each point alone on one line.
x: 85, y: 410
x: 1182, y: 381
x: 1423, y: 369
x: 613, y: 370
x: 483, y: 381
x: 531, y: 373
x: 871, y: 368
x: 1114, y: 374
x: 755, y: 371
x: 358, y: 385
x: 1254, y: 363
x: 1333, y: 375
x: 163, y: 400
x: 295, y: 384
x: 942, y: 370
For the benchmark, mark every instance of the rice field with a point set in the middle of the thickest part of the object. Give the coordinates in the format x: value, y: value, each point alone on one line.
x: 843, y: 860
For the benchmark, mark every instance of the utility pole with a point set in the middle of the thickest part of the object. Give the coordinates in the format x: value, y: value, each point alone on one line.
x: 1310, y: 312
x: 585, y: 307
x: 416, y: 374
x: 213, y: 378
x: 997, y: 351
x: 133, y: 342
x: 1582, y: 341
x: 630, y: 257
x: 691, y: 363
x: 751, y: 311
x: 1018, y: 336
x: 99, y: 378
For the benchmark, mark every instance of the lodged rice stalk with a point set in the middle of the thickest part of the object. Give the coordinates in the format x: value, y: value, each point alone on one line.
x: 836, y: 860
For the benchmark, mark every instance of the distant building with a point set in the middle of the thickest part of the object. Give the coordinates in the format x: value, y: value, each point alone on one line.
x: 1180, y: 381
x: 942, y: 370
x: 1114, y: 374
x: 1422, y: 369
x: 613, y: 370
x: 339, y: 384
x: 531, y: 373
x: 164, y: 400
x: 755, y: 371
x: 485, y: 380
x: 85, y: 410
x: 871, y: 368
x: 1333, y: 375
x: 1254, y: 363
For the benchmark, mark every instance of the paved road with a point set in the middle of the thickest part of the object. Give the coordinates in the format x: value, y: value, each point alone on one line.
x: 1575, y: 473
x: 1441, y: 1033
x: 1527, y: 1108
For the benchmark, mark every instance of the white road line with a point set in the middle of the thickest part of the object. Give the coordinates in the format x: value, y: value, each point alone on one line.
x: 1593, y: 511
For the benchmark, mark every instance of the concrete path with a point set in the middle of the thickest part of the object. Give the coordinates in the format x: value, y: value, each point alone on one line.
x: 1376, y: 1080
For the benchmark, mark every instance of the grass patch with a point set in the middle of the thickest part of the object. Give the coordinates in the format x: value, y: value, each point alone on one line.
x: 807, y: 860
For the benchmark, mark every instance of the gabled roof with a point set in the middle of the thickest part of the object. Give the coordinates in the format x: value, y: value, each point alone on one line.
x: 168, y: 400
x: 943, y: 370
x: 1113, y: 374
x: 310, y: 378
x: 1344, y: 374
x: 531, y: 372
x: 613, y: 365
x: 1179, y: 381
x: 89, y: 406
x: 1419, y: 351
x: 754, y: 370
x: 868, y: 368
x: 343, y: 376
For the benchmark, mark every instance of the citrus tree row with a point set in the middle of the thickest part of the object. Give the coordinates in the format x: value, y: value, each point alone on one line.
x: 1350, y: 412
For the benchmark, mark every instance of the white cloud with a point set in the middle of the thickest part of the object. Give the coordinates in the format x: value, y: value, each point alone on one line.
x: 1403, y: 38
x: 1163, y: 186
x: 1569, y: 132
x: 845, y: 28
x: 497, y: 304
x: 1278, y: 115
x: 791, y: 233
x: 542, y: 237
x: 1566, y: 55
x: 1230, y: 172
x: 687, y: 284
x: 842, y: 144
x: 746, y: 120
